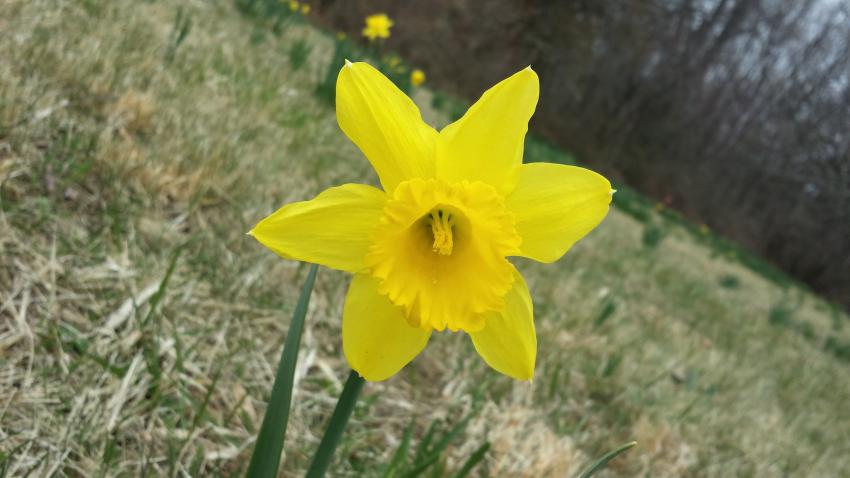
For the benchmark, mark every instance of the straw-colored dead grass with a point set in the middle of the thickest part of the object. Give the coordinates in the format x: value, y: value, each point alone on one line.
x: 140, y: 327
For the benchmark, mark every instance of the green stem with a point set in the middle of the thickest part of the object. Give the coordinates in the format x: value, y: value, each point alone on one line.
x: 266, y: 457
x: 344, y: 407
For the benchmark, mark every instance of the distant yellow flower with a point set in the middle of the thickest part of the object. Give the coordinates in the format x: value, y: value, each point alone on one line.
x: 417, y: 77
x: 704, y: 230
x: 293, y: 6
x: 377, y: 26
x: 340, y: 36
x: 392, y: 61
x: 430, y: 251
x: 305, y: 9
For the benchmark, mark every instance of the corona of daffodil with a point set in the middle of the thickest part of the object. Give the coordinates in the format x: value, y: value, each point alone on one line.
x: 417, y: 77
x: 377, y: 26
x: 430, y: 250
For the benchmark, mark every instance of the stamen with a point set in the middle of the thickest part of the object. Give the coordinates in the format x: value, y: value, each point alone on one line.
x: 441, y: 229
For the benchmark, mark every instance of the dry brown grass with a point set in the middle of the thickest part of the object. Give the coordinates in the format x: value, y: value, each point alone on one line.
x: 115, y: 165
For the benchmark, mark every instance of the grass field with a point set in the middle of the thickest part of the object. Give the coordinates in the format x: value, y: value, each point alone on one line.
x: 140, y: 327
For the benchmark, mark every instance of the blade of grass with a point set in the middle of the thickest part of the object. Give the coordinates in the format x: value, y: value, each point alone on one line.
x: 603, y: 461
x: 447, y: 439
x: 266, y: 457
x: 473, y: 460
x: 156, y: 298
x: 421, y: 467
x: 426, y: 455
x: 149, y: 342
x: 400, y: 455
x: 344, y: 407
x: 439, y: 470
x: 425, y: 443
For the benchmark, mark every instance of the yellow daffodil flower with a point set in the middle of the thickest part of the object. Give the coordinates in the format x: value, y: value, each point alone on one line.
x: 417, y: 77
x: 293, y: 6
x: 430, y: 250
x: 305, y: 9
x: 340, y: 36
x: 392, y: 61
x: 377, y: 26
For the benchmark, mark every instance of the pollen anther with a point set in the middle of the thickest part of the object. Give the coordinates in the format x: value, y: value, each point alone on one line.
x: 441, y: 229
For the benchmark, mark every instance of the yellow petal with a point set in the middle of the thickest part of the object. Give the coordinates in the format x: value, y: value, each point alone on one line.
x: 333, y: 229
x: 486, y: 143
x: 385, y: 124
x: 376, y: 338
x: 555, y: 206
x: 508, y: 342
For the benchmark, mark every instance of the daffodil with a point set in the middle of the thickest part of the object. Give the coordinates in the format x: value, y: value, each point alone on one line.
x: 417, y: 77
x: 293, y: 6
x: 305, y: 9
x: 377, y: 26
x: 429, y: 251
x: 392, y: 61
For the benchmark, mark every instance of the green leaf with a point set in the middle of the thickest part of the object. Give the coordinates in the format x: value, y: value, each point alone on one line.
x: 603, y: 461
x: 149, y: 343
x: 342, y: 411
x: 425, y: 443
x: 446, y: 440
x: 427, y: 455
x: 473, y: 460
x: 421, y: 467
x: 400, y: 455
x: 607, y: 311
x: 266, y: 457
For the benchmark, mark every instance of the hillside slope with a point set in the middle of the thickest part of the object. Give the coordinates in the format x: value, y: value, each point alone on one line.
x: 140, y: 327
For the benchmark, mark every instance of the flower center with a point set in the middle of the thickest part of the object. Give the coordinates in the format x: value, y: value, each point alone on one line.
x: 440, y: 253
x: 441, y: 229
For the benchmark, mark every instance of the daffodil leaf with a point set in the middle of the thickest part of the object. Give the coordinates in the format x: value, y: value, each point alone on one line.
x: 266, y: 457
x: 336, y: 425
